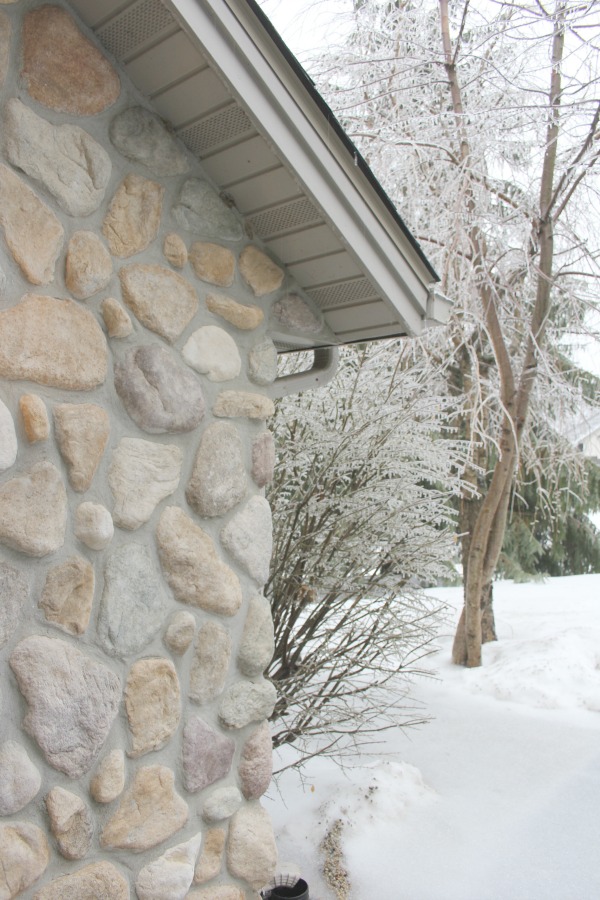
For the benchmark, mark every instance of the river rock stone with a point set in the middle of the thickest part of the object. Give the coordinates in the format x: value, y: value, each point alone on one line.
x: 93, y: 525
x: 246, y: 702
x: 5, y: 32
x: 14, y: 591
x: 246, y: 318
x: 8, y: 438
x: 295, y: 314
x: 209, y: 861
x: 256, y: 765
x: 251, y: 851
x: 33, y: 511
x: 81, y: 431
x: 68, y: 595
x: 217, y: 892
x: 200, y: 210
x: 141, y: 474
x: 192, y: 568
x: 72, y: 701
x: 153, y: 704
x: 258, y: 641
x: 180, y: 632
x: 98, y: 881
x: 35, y: 418
x: 213, y: 352
x: 263, y: 458
x: 117, y: 320
x: 170, y: 876
x: 149, y: 812
x: 207, y: 755
x: 65, y: 160
x: 133, y: 605
x: 71, y: 823
x: 211, y: 663
x: 32, y: 232
x: 262, y: 362
x: 218, y: 480
x: 53, y: 342
x: 259, y: 271
x: 221, y: 804
x: 235, y: 404
x: 24, y: 855
x: 88, y: 267
x: 158, y: 394
x: 20, y: 780
x: 109, y: 781
x: 161, y: 299
x: 133, y: 217
x: 249, y: 538
x: 174, y: 250
x: 141, y: 136
x: 212, y: 263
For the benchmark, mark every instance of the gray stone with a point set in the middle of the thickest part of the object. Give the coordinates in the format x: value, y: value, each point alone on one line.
x: 235, y: 404
x: 20, y: 780
x: 161, y: 299
x: 263, y: 458
x: 53, y: 342
x: 64, y: 159
x: 251, y: 851
x: 180, y: 633
x: 159, y: 395
x: 149, y: 812
x: 192, y: 568
x: 33, y: 511
x: 88, y: 267
x: 133, y: 217
x: 8, y: 438
x: 141, y: 474
x: 109, y: 780
x: 5, y: 33
x: 295, y: 314
x: 207, y: 755
x: 174, y: 250
x: 68, y: 595
x: 14, y: 591
x: 209, y: 862
x: 246, y: 318
x: 152, y: 703
x: 245, y: 702
x: 221, y: 804
x: 93, y: 525
x: 133, y: 605
x: 72, y: 701
x: 71, y: 823
x: 259, y: 271
x: 249, y: 538
x: 256, y: 765
x: 35, y: 418
x: 258, y: 641
x: 214, y: 353
x: 212, y: 263
x: 218, y: 480
x: 262, y: 362
x: 24, y: 855
x: 81, y: 431
x: 169, y: 877
x: 141, y: 136
x: 211, y: 663
x: 98, y: 881
x: 200, y: 210
x: 117, y: 320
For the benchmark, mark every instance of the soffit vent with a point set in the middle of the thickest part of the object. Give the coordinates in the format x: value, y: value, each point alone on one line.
x: 136, y: 26
x: 343, y: 293
x: 292, y: 216
x: 217, y: 130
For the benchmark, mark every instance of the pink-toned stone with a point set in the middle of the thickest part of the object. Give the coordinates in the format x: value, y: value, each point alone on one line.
x: 211, y: 856
x: 88, y: 266
x: 256, y: 765
x: 133, y: 217
x: 153, y: 704
x: 246, y: 318
x: 207, y: 755
x: 35, y: 417
x: 98, y: 881
x: 62, y: 69
x: 161, y: 299
x: 262, y: 274
x: 68, y: 595
x: 82, y: 431
x: 263, y: 458
x: 212, y: 263
x: 117, y: 321
x: 174, y: 250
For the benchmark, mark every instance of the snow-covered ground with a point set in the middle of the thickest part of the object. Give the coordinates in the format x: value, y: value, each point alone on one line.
x: 498, y: 797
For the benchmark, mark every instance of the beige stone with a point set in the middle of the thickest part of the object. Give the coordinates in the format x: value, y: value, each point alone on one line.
x: 117, y: 320
x: 20, y: 780
x: 222, y: 804
x: 98, y: 881
x: 212, y: 263
x: 88, y: 266
x: 218, y: 480
x: 256, y: 764
x: 81, y: 431
x: 248, y: 536
x: 141, y: 474
x: 161, y: 299
x: 53, y: 342
x: 109, y: 780
x: 211, y: 663
x: 24, y: 855
x: 68, y: 595
x: 170, y: 876
x: 33, y: 511
x: 70, y: 822
x: 174, y: 250
x: 246, y: 318
x: 245, y: 702
x: 213, y: 352
x: 218, y: 892
x: 149, y: 813
x: 153, y: 704
x: 32, y: 232
x: 258, y: 642
x: 93, y: 525
x: 251, y: 851
x: 262, y: 274
x: 180, y: 632
x: 133, y: 217
x: 5, y: 31
x: 35, y: 418
x: 235, y: 404
x: 62, y: 69
x: 210, y: 859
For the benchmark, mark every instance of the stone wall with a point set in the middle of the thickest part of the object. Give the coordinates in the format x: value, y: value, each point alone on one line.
x: 134, y: 535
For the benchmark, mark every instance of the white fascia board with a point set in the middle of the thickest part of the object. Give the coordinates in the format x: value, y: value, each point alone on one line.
x: 227, y: 32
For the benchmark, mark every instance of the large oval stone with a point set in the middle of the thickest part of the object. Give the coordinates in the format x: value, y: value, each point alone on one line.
x: 141, y: 474
x: 72, y: 701
x: 211, y: 663
x: 207, y: 755
x: 141, y: 136
x: 24, y: 855
x: 33, y: 511
x: 251, y: 850
x: 62, y: 69
x: 98, y: 881
x: 53, y: 342
x: 153, y: 704
x: 218, y: 479
x: 200, y: 209
x: 161, y: 299
x: 159, y: 395
x: 81, y: 431
x: 213, y: 352
x: 14, y: 591
x: 133, y: 218
x: 170, y: 876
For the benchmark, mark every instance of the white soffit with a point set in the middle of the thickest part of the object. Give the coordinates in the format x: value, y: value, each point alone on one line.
x: 232, y: 92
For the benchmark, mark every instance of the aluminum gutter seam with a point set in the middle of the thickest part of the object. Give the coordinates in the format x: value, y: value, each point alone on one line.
x: 252, y: 77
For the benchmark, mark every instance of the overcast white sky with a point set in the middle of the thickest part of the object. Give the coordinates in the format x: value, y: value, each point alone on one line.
x: 307, y: 25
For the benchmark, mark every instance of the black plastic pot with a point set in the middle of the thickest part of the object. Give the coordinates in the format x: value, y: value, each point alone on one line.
x: 298, y: 892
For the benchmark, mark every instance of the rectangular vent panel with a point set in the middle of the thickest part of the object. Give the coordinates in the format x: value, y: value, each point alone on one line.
x: 289, y: 217
x: 344, y: 293
x: 217, y: 130
x: 135, y: 27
